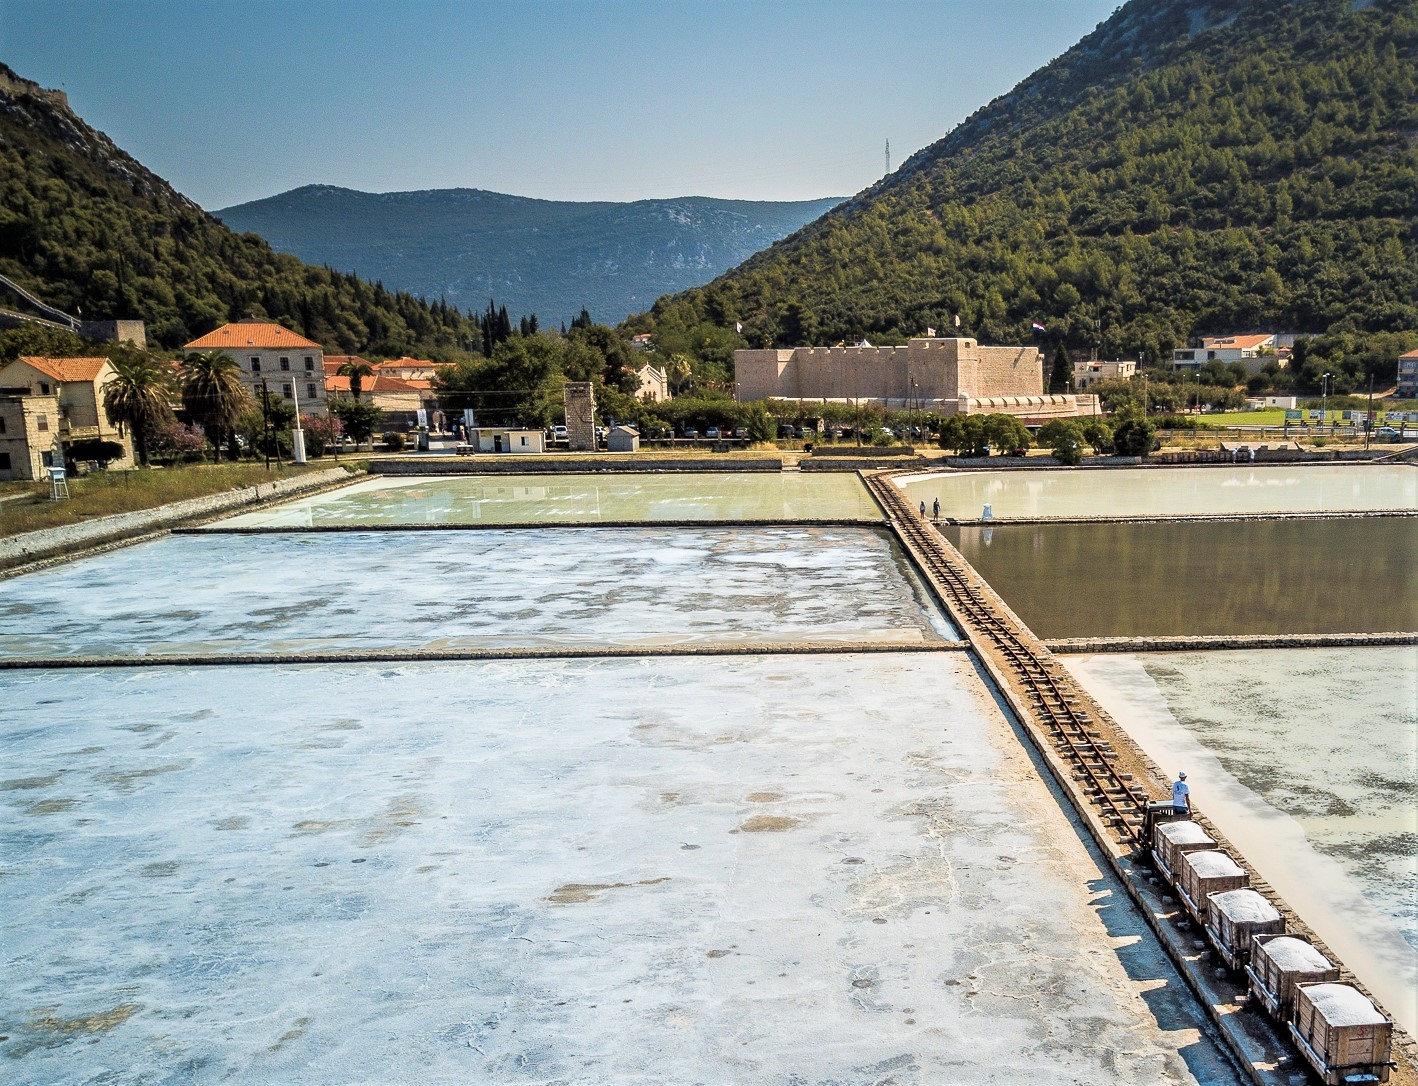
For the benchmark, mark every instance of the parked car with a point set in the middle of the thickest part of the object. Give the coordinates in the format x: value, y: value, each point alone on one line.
x: 713, y: 432
x: 690, y: 431
x: 558, y: 433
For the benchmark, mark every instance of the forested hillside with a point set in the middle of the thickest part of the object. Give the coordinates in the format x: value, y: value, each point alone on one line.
x: 86, y: 227
x: 1188, y: 168
x: 548, y: 257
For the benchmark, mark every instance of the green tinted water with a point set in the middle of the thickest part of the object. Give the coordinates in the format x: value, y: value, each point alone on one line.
x: 578, y: 499
x: 1231, y: 577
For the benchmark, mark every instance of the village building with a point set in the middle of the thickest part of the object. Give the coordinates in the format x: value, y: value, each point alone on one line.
x: 76, y: 385
x: 623, y: 439
x: 1253, y: 352
x: 291, y: 366
x: 949, y: 376
x: 28, y: 425
x: 1408, y: 375
x: 1089, y: 373
x: 654, y: 384
x: 506, y: 439
x: 407, y: 369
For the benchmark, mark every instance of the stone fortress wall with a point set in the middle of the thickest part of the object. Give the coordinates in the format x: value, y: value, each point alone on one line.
x: 943, y: 375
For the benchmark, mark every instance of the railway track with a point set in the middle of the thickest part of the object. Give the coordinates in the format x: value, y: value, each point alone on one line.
x: 1059, y: 709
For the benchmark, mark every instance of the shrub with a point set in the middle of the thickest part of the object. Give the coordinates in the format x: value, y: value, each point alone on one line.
x: 321, y: 431
x: 393, y: 440
x: 1064, y: 439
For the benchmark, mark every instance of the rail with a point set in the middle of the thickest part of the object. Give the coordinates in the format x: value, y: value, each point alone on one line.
x: 1057, y: 703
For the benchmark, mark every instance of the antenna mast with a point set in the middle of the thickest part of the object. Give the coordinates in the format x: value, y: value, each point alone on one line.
x: 888, y: 158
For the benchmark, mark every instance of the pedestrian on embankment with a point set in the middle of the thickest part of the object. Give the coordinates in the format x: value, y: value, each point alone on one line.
x: 935, y: 509
x: 923, y: 508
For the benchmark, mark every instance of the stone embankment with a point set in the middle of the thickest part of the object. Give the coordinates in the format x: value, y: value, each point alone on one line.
x: 1192, y: 643
x: 404, y: 656
x: 1179, y: 518
x: 517, y: 525
x: 1106, y: 777
x: 71, y: 540
x: 566, y: 465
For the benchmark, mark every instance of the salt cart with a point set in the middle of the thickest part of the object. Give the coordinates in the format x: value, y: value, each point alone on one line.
x: 1278, y: 964
x: 1171, y: 839
x: 1234, y: 919
x: 1342, y: 1035
x: 1201, y: 874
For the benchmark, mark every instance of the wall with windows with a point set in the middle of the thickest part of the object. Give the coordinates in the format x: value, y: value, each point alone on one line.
x: 295, y: 373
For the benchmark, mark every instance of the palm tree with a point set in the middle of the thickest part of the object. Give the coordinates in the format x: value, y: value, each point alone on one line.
x: 138, y: 397
x: 213, y: 394
x: 356, y: 371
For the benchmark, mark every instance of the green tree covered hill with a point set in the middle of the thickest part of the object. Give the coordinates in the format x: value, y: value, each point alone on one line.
x: 86, y: 227
x: 1189, y: 168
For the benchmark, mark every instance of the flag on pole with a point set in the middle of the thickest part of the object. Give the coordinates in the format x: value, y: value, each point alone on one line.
x: 1038, y: 327
x: 957, y: 320
x: 738, y: 327
x: 930, y: 333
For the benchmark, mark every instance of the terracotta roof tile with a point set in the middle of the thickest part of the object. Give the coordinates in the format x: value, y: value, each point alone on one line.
x: 249, y: 334
x: 1243, y: 342
x: 67, y: 369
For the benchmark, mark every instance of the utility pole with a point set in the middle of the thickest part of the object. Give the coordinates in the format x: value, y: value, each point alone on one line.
x: 1369, y: 415
x: 266, y: 423
x: 888, y: 158
x: 1324, y: 403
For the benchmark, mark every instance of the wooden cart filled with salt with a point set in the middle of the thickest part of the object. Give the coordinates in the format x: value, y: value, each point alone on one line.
x: 1278, y: 964
x: 1344, y: 1037
x: 1201, y: 874
x: 1171, y: 839
x: 1235, y: 918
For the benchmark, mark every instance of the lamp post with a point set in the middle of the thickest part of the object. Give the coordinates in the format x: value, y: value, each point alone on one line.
x: 1324, y: 402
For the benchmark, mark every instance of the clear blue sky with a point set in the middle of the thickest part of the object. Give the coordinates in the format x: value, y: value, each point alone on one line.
x: 562, y: 99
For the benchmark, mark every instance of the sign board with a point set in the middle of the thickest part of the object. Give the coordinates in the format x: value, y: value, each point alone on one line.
x: 423, y: 418
x: 1293, y: 414
x: 1314, y: 414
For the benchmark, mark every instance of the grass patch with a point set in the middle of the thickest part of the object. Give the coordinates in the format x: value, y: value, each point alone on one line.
x: 26, y: 507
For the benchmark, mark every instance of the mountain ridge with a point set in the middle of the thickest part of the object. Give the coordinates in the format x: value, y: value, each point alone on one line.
x: 551, y: 257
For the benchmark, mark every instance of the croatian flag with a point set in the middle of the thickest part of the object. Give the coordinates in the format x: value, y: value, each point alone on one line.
x: 1038, y: 327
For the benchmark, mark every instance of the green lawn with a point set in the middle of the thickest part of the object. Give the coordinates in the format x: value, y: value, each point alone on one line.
x: 25, y: 507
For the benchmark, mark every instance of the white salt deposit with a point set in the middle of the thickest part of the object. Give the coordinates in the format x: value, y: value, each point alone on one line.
x: 1184, y: 832
x: 1244, y: 906
x: 1307, y: 760
x: 764, y: 870
x: 1342, y: 1005
x: 1212, y: 864
x: 1294, y: 955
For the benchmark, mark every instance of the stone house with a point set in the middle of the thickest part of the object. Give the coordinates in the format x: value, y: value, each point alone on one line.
x: 291, y: 365
x: 28, y: 425
x: 77, y: 385
x: 1086, y: 374
x: 1253, y: 352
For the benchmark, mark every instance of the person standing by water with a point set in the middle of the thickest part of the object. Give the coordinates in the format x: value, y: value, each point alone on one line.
x: 923, y: 507
x: 1181, y: 796
x: 935, y: 509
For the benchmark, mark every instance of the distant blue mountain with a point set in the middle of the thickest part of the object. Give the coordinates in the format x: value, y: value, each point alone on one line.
x: 547, y: 257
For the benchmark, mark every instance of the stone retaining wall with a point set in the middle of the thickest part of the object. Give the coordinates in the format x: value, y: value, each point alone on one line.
x: 536, y: 465
x: 1078, y: 645
x: 66, y: 540
x: 1177, y: 518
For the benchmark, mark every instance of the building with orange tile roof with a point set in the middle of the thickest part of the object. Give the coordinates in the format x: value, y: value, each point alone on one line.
x: 77, y: 387
x: 410, y: 369
x: 1408, y: 374
x: 290, y: 365
x: 1251, y: 351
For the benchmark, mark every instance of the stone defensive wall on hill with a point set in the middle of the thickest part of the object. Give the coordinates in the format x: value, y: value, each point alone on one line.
x: 953, y: 376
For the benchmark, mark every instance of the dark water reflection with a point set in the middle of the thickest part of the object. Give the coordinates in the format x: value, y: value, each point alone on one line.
x: 1232, y: 577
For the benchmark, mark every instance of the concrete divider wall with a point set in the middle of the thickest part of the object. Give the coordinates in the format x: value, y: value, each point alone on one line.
x: 50, y: 542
